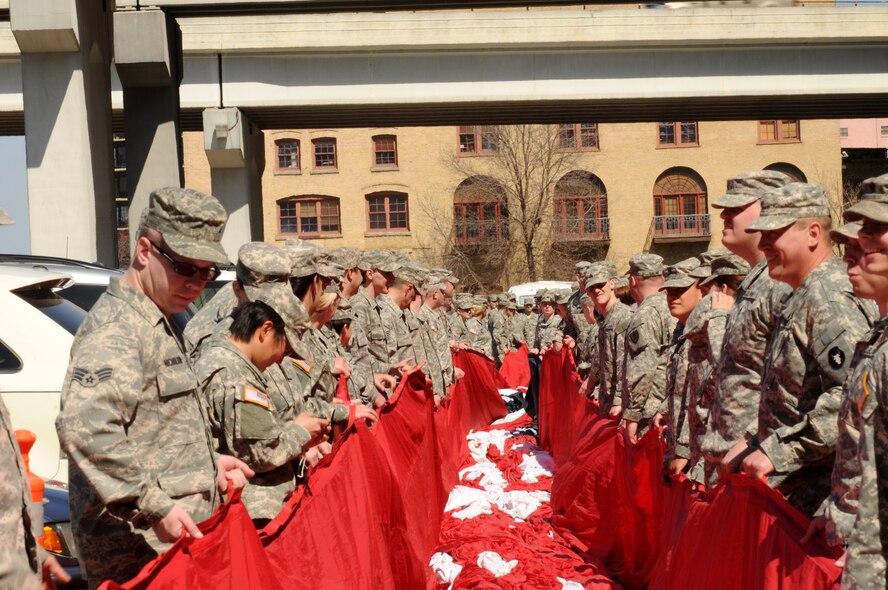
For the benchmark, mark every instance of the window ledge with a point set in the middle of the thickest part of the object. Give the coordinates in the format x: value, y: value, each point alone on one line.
x: 385, y: 169
x: 325, y: 171
x: 782, y: 141
x: 383, y: 234
x: 281, y: 237
x: 677, y: 146
x: 285, y: 172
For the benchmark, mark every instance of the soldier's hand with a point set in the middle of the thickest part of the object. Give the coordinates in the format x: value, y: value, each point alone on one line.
x: 438, y: 399
x: 722, y: 300
x: 658, y: 420
x: 316, y: 426
x: 362, y: 412
x: 569, y: 342
x: 817, y: 526
x: 382, y: 381
x: 314, y: 455
x: 170, y: 527
x: 379, y: 401
x: 584, y: 388
x: 730, y: 463
x: 403, y: 366
x: 50, y: 568
x: 757, y: 465
x: 458, y: 374
x: 557, y: 346
x: 615, y: 412
x: 340, y: 367
x: 630, y: 432
x: 233, y: 470
x: 676, y: 467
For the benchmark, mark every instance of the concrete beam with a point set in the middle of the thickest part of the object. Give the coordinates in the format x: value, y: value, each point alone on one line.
x: 45, y: 26
x: 235, y: 149
x: 138, y: 57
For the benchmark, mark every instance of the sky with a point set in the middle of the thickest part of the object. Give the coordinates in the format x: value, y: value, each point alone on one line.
x: 14, y: 239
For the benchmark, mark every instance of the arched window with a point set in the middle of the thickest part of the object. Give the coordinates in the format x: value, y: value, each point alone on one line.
x: 309, y: 216
x: 580, y: 202
x: 680, y: 204
x: 387, y: 211
x: 794, y: 173
x: 288, y: 155
x: 480, y: 211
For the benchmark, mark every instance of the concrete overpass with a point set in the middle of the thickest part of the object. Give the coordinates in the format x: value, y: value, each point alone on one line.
x: 252, y: 66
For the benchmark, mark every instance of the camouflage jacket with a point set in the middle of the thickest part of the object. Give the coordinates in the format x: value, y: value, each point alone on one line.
x: 530, y: 326
x: 738, y: 375
x: 548, y: 331
x: 426, y: 344
x: 205, y: 321
x: 644, y: 375
x: 705, y: 335
x: 320, y: 352
x: 807, y: 362
x: 439, y: 332
x: 395, y: 322
x: 496, y: 321
x: 380, y: 341
x: 611, y: 346
x: 865, y: 563
x: 454, y: 323
x: 246, y: 419
x: 515, y: 330
x: 575, y: 321
x: 477, y: 336
x: 135, y: 430
x: 19, y: 561
x: 675, y: 405
x: 357, y: 353
x: 586, y: 351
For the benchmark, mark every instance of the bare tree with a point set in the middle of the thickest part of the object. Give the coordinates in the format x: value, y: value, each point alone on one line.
x: 519, y: 171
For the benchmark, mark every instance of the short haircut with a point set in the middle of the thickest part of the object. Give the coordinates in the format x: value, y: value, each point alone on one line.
x: 824, y: 222
x: 249, y: 317
x: 339, y: 325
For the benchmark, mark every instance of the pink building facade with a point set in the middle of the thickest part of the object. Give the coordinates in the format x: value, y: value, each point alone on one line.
x: 863, y: 133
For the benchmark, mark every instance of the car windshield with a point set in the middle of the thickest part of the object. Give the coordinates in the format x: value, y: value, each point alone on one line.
x: 82, y: 295
x: 62, y: 312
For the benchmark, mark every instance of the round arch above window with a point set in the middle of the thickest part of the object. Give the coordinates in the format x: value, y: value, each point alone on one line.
x: 681, y: 207
x: 479, y: 189
x: 579, y: 183
x: 309, y: 216
x: 792, y: 171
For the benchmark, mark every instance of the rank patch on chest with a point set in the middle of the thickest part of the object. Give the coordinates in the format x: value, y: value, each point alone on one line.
x: 254, y: 396
x: 172, y: 362
x: 88, y: 378
x: 836, y: 357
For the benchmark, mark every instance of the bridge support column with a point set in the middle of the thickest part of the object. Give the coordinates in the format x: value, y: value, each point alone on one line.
x: 148, y: 57
x: 236, y: 151
x: 66, y: 82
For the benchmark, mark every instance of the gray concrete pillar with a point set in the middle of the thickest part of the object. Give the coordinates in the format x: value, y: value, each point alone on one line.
x: 236, y: 151
x: 66, y: 80
x: 148, y: 58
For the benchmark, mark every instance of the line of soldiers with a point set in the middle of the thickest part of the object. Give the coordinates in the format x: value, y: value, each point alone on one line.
x: 765, y: 357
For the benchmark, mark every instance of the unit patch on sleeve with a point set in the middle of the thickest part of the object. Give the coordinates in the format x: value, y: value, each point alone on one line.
x: 88, y: 378
x: 254, y: 396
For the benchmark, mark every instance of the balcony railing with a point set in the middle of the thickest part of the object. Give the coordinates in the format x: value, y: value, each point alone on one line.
x: 681, y: 226
x: 582, y: 228
x: 481, y: 232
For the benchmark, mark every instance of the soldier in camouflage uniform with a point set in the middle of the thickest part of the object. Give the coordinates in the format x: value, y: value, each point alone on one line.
x: 856, y: 483
x: 643, y: 378
x: 392, y: 306
x: 142, y: 464
x: 378, y: 267
x: 246, y: 411
x: 809, y: 353
x: 706, y: 332
x: 604, y: 384
x: 533, y: 318
x: 438, y: 330
x: 751, y: 318
x: 549, y: 328
x: 477, y: 335
x: 586, y: 351
x: 496, y: 323
x: 574, y: 321
x: 259, y: 266
x: 683, y: 296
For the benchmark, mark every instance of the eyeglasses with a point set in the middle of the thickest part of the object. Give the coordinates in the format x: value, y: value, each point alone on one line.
x: 189, y: 270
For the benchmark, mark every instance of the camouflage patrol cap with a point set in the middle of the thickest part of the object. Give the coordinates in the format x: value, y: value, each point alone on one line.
x: 343, y: 311
x: 379, y: 260
x: 873, y: 203
x: 260, y: 264
x: 328, y: 267
x: 279, y: 296
x: 5, y: 218
x: 464, y: 301
x: 846, y: 233
x: 599, y: 273
x: 562, y: 296
x: 502, y: 299
x: 646, y: 265
x: 748, y: 187
x: 492, y: 297
x: 548, y: 296
x: 781, y: 207
x: 678, y: 274
x: 581, y: 266
x: 347, y: 258
x: 728, y: 265
x: 621, y: 283
x: 479, y: 300
x: 539, y: 294
x: 190, y: 222
x: 706, y: 258
x: 445, y: 275
x: 511, y: 305
x: 412, y: 274
x: 511, y: 296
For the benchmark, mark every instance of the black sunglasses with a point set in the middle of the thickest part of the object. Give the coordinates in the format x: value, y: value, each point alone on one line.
x: 189, y: 270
